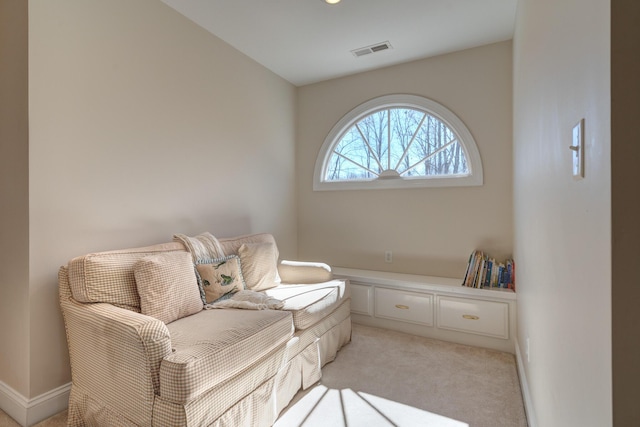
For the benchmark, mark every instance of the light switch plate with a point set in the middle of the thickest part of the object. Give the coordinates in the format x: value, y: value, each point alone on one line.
x: 577, y: 150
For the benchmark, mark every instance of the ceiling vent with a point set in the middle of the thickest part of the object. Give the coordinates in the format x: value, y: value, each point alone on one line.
x: 371, y: 49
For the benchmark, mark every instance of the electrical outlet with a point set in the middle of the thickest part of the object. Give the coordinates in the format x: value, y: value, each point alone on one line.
x: 388, y: 256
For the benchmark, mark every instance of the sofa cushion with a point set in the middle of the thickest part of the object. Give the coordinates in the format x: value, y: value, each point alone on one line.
x: 215, y: 345
x: 304, y: 272
x: 310, y: 303
x: 108, y: 276
x: 219, y: 278
x: 231, y: 245
x: 259, y: 263
x: 167, y: 286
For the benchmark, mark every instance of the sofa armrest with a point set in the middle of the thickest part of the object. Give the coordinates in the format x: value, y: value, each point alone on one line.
x: 116, y: 354
x: 300, y: 272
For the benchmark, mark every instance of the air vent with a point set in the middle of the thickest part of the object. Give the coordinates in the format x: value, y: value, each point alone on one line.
x: 371, y: 49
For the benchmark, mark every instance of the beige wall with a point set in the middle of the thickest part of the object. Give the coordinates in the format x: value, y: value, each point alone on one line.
x: 625, y: 202
x: 430, y: 230
x: 14, y: 196
x: 143, y: 125
x: 562, y: 225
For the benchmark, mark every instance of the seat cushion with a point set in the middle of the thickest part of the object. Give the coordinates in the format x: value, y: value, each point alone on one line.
x: 310, y: 303
x: 215, y: 345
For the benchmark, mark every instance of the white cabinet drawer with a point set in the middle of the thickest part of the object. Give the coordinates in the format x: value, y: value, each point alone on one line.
x: 475, y: 316
x: 402, y: 305
x: 361, y: 299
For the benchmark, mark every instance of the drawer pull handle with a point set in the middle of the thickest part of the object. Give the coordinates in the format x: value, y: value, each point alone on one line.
x: 470, y: 317
x: 402, y: 307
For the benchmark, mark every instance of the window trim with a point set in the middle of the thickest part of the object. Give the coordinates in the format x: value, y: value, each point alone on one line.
x: 466, y: 140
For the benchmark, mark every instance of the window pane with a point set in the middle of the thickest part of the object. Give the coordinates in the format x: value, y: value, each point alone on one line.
x: 343, y: 170
x: 354, y: 148
x: 450, y: 161
x: 374, y: 127
x: 404, y: 123
x: 435, y: 151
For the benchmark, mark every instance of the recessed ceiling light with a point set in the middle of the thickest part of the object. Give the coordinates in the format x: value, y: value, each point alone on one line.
x: 332, y: 1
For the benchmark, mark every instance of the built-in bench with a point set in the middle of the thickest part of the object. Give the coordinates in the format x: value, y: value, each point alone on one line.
x: 434, y: 307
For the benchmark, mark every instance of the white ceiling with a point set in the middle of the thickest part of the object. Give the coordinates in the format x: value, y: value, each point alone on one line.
x: 306, y: 41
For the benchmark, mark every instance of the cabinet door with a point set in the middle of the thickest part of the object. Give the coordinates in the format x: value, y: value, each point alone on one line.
x: 405, y: 306
x: 475, y: 316
x: 361, y: 299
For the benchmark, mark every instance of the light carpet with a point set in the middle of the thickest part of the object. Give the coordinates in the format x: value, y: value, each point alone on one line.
x: 387, y: 378
x: 59, y: 420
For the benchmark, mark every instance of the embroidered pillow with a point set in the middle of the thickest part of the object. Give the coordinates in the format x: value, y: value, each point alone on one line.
x: 167, y: 286
x: 219, y: 279
x: 259, y: 263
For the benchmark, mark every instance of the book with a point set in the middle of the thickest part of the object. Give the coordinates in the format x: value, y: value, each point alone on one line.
x: 472, y: 268
x: 511, y: 274
x: 487, y: 278
x: 481, y: 272
x: 478, y: 270
x: 465, y: 281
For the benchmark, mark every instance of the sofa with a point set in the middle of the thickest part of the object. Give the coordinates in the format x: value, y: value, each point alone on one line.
x: 147, y: 348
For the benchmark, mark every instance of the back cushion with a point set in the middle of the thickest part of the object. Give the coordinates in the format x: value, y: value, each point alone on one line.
x: 259, y: 262
x: 108, y: 276
x: 167, y: 286
x: 231, y: 246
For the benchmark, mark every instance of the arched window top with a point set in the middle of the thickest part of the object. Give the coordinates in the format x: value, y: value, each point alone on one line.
x: 398, y: 141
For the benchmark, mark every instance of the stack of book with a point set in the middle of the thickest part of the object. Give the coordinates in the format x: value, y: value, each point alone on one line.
x: 485, y: 272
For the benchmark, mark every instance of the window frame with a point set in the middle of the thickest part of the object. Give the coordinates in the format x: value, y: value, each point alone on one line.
x: 464, y: 138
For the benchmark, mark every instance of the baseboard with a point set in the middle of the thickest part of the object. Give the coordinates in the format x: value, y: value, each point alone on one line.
x: 28, y: 412
x: 524, y: 386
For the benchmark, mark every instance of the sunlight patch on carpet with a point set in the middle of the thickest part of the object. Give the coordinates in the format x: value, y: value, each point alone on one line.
x: 323, y: 406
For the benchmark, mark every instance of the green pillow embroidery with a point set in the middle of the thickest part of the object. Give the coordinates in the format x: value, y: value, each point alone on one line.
x: 219, y: 279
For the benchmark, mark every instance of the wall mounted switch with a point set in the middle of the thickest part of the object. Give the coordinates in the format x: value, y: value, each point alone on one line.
x: 388, y: 256
x: 577, y: 150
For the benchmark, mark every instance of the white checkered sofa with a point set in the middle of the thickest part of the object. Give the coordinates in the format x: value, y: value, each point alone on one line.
x: 221, y: 367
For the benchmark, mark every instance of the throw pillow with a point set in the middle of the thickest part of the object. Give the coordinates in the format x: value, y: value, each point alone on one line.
x: 167, y: 286
x: 219, y: 278
x: 259, y: 263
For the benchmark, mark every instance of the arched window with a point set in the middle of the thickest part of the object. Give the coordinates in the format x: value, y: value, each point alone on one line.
x: 398, y: 141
